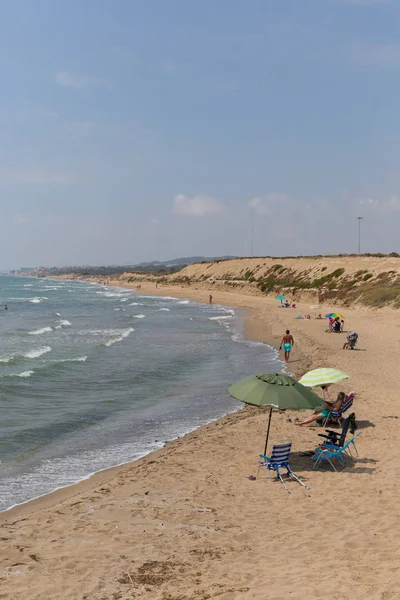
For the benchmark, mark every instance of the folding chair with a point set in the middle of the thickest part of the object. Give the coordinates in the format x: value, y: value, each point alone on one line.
x: 330, y: 453
x: 279, y: 458
x: 337, y: 438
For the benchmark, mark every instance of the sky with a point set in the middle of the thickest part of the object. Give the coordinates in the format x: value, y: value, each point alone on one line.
x: 135, y: 130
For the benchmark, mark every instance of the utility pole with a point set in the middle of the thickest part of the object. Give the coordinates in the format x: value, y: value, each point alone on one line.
x: 252, y: 231
x: 359, y: 234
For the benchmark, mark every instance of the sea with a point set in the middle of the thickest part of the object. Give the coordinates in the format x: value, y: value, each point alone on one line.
x: 93, y: 377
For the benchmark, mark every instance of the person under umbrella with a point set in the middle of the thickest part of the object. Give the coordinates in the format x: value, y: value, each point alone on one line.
x: 325, y: 412
x: 275, y: 390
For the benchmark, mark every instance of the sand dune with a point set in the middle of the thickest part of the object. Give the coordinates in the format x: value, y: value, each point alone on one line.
x: 184, y: 523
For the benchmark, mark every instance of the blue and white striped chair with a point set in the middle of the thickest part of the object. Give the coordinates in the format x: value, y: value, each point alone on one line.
x: 279, y: 458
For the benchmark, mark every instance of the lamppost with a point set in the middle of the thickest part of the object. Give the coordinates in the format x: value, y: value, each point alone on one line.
x: 252, y: 231
x: 359, y: 234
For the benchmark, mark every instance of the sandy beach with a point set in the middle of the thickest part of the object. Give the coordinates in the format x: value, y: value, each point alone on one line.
x: 184, y: 523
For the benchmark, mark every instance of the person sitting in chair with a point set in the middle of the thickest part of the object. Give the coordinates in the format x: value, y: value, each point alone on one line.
x: 324, y: 413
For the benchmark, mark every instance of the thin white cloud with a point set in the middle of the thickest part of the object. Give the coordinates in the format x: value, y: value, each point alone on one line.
x: 198, y: 206
x: 266, y: 205
x: 67, y: 79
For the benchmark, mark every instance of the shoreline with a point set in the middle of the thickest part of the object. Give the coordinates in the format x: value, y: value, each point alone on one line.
x: 185, y: 522
x: 48, y: 499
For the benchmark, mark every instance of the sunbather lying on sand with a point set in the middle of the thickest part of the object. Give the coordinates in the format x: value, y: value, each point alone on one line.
x: 323, y: 414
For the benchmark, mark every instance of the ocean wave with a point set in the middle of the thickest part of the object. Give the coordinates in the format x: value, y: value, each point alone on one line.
x: 124, y: 334
x: 159, y: 297
x: 58, y: 314
x: 37, y: 353
x: 166, y: 309
x: 53, y: 287
x: 23, y: 374
x: 135, y: 304
x: 31, y: 354
x: 28, y: 284
x: 66, y: 360
x: 230, y: 311
x: 40, y: 331
x: 138, y: 316
x: 221, y: 318
x: 65, y: 323
x: 112, y: 294
x: 184, y: 302
x: 124, y: 299
x: 37, y: 299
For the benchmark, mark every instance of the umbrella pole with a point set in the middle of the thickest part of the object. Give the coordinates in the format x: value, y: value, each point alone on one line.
x: 269, y: 425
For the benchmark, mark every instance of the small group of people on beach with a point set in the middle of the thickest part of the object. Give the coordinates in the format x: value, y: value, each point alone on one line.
x: 336, y: 325
x: 288, y: 304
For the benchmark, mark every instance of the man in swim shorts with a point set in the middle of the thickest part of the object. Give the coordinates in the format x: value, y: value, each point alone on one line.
x: 287, y: 343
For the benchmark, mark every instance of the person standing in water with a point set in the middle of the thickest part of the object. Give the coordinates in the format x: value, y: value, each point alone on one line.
x: 210, y: 299
x: 5, y: 307
x: 287, y: 343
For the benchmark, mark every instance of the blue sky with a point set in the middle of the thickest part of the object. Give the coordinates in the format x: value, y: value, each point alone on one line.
x: 148, y: 129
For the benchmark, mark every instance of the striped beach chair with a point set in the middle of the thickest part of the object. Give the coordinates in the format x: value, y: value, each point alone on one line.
x: 337, y: 415
x: 280, y: 459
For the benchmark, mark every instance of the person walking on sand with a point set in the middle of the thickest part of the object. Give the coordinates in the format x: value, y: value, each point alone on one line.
x: 287, y: 343
x: 210, y: 299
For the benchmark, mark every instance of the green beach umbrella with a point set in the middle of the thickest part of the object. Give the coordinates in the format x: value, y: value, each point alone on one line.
x: 275, y: 390
x: 322, y: 376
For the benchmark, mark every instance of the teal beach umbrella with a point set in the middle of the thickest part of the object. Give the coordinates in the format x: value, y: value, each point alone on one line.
x: 281, y: 298
x: 275, y: 390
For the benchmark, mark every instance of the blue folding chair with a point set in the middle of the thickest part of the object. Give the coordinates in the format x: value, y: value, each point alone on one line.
x: 279, y: 458
x: 330, y: 453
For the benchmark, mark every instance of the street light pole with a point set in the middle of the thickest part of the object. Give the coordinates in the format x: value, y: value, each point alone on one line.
x: 359, y: 234
x: 252, y: 231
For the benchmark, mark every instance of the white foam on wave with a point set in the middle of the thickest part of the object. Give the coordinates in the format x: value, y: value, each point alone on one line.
x: 65, y: 323
x: 124, y: 334
x: 184, y: 302
x: 159, y: 297
x: 28, y: 284
x: 37, y: 299
x: 124, y: 299
x: 138, y: 316
x: 165, y: 309
x: 37, y: 353
x: 135, y: 304
x: 40, y: 331
x: 222, y: 318
x: 58, y: 314
x: 31, y: 354
x: 53, y: 287
x: 229, y: 311
x: 112, y: 294
x: 23, y: 374
x: 78, y: 359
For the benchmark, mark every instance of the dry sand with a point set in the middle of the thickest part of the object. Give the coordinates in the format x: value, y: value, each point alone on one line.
x: 184, y: 523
